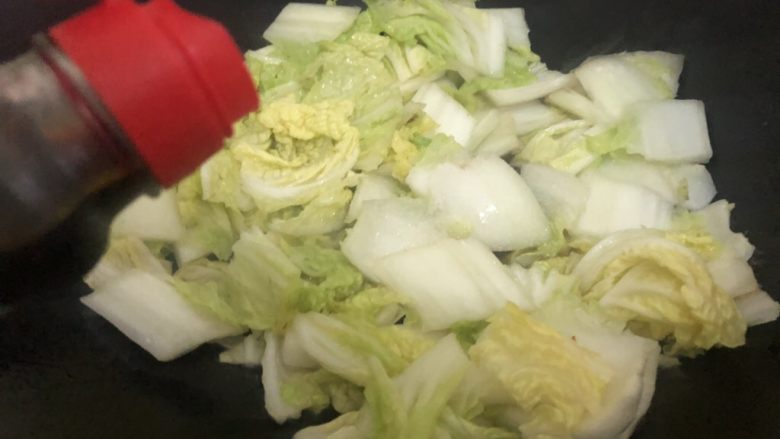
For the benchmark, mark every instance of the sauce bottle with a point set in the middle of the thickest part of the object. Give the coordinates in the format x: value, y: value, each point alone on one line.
x: 120, y: 90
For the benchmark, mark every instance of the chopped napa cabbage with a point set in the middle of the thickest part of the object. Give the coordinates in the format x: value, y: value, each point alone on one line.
x: 561, y: 195
x: 515, y: 26
x: 294, y: 353
x: 577, y: 105
x: 396, y: 57
x: 426, y: 22
x: 655, y: 177
x: 541, y: 285
x: 758, y: 308
x: 453, y: 426
x: 480, y: 390
x: 717, y: 220
x: 494, y: 134
x: 563, y: 146
x: 220, y: 180
x: 187, y: 250
x: 150, y: 312
x: 307, y: 23
x: 573, y: 145
x: 123, y: 255
x: 664, y: 67
x: 344, y: 346
x: 440, y: 149
x: 229, y: 291
x: 503, y: 140
x: 559, y: 253
x: 328, y: 275
x: 406, y: 147
x: 351, y: 69
x: 486, y: 123
x: 632, y: 359
x: 355, y: 71
x: 614, y: 206
x: 209, y: 226
x: 612, y: 139
x: 450, y: 281
x: 452, y: 119
x: 372, y: 187
x: 699, y: 186
x: 672, y: 132
x: 150, y: 218
x: 617, y: 82
x: 414, y: 66
x: 413, y: 86
x: 290, y: 390
x: 410, y: 405
x: 296, y: 152
x: 323, y: 215
x: 343, y: 427
x: 487, y: 37
x: 533, y: 116
x: 381, y: 306
x: 689, y: 186
x: 295, y: 278
x: 363, y: 38
x: 708, y: 232
x: 732, y: 274
x: 688, y: 229
x: 274, y: 374
x: 386, y: 227
x: 467, y: 331
x: 248, y: 351
x: 281, y: 70
x: 319, y: 389
x: 456, y: 31
x: 422, y: 61
x: 663, y: 289
x: 518, y: 65
x: 552, y: 380
x: 546, y: 83
x: 489, y: 196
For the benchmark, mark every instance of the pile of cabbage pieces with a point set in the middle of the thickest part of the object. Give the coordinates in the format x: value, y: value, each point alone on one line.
x: 427, y: 230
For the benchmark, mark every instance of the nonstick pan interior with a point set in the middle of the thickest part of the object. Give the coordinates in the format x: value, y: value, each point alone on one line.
x: 66, y: 373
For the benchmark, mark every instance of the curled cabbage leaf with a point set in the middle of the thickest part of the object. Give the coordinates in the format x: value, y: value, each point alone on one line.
x: 296, y: 152
x: 663, y: 289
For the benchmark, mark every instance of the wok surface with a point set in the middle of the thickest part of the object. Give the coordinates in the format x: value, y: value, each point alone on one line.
x: 66, y: 373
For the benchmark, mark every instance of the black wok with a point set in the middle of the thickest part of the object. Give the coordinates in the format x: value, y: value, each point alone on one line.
x: 66, y: 373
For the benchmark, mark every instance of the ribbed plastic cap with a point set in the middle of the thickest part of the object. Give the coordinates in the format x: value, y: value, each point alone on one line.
x: 173, y: 80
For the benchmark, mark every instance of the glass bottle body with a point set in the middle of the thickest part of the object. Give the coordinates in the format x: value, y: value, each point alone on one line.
x: 58, y: 144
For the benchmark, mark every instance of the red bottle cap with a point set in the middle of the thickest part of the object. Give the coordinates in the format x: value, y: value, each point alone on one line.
x: 173, y: 80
